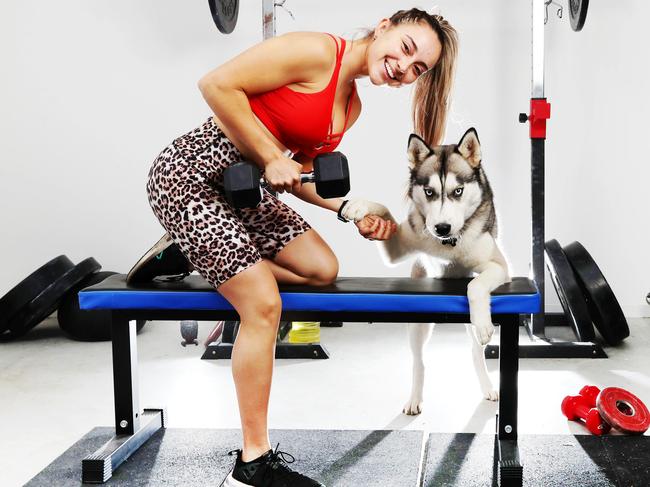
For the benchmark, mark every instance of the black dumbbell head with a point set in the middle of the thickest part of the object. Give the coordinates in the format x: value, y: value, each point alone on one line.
x: 332, y: 175
x: 241, y: 182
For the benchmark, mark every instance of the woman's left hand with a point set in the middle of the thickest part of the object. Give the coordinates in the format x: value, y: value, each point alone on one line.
x: 374, y: 227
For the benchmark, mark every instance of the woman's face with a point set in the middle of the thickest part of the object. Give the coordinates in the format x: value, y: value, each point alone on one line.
x: 400, y: 53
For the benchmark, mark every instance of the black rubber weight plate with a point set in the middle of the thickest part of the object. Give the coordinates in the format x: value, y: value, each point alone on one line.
x: 578, y: 13
x: 605, y: 311
x: 568, y: 290
x: 30, y: 287
x: 47, y: 301
x: 224, y: 13
x: 86, y: 325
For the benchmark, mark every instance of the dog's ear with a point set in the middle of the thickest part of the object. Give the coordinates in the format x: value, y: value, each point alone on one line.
x: 470, y: 147
x: 418, y: 150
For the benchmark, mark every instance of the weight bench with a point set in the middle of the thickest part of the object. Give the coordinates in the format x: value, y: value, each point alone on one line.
x: 348, y: 299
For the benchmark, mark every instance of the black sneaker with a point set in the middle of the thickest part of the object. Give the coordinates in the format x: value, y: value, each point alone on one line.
x: 164, y: 262
x: 269, y: 470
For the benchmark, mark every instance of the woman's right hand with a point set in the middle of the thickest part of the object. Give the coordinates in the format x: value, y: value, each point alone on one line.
x: 374, y: 227
x: 283, y: 174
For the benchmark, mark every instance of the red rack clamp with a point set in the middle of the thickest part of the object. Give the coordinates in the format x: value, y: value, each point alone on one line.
x: 540, y: 111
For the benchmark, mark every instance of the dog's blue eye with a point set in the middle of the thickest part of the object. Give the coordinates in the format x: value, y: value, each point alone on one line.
x: 428, y: 192
x: 458, y: 191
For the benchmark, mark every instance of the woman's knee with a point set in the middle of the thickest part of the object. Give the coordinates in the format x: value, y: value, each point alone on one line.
x: 254, y: 294
x: 325, y: 272
x: 264, y: 309
x: 309, y: 257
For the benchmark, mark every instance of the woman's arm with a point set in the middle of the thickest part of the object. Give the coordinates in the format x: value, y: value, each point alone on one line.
x: 279, y: 61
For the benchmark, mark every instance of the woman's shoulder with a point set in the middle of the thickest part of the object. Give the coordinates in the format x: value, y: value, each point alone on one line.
x: 320, y: 45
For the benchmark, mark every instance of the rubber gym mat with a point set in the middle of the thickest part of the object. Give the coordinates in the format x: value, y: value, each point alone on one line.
x: 198, y: 457
x: 465, y: 459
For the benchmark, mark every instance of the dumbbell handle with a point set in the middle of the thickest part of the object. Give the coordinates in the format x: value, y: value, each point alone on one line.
x: 582, y: 409
x: 305, y: 177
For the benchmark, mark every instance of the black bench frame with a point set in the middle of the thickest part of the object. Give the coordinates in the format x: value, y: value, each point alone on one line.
x: 133, y: 428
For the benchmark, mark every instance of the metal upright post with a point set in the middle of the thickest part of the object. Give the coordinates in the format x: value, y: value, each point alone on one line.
x: 268, y: 18
x: 539, y: 113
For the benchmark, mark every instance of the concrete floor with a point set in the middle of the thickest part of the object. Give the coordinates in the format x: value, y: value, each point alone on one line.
x: 54, y: 390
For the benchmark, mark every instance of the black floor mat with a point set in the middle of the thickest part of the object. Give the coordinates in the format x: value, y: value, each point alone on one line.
x: 198, y: 457
x: 466, y: 459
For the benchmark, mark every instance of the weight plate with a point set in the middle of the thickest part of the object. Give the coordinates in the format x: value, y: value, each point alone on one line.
x: 86, y: 325
x: 224, y: 14
x: 605, y: 311
x: 571, y: 297
x: 47, y: 301
x: 623, y: 410
x: 578, y: 13
x: 30, y: 287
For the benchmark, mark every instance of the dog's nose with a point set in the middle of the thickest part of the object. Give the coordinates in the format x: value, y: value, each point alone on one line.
x: 442, y: 229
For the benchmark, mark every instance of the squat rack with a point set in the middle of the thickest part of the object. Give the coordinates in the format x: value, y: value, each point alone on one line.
x: 540, y: 110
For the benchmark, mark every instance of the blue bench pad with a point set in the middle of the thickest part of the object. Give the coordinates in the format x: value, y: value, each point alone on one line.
x: 347, y: 294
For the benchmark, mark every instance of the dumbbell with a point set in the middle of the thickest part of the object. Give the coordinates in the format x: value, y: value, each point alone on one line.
x: 590, y: 393
x: 243, y: 185
x: 577, y: 407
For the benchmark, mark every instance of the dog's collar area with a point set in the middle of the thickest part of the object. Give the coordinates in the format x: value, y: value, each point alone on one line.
x: 449, y: 241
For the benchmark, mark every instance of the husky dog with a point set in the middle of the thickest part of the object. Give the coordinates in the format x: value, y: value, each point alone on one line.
x: 451, y: 223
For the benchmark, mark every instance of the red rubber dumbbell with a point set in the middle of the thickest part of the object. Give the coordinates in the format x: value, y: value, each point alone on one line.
x: 590, y: 393
x: 577, y: 407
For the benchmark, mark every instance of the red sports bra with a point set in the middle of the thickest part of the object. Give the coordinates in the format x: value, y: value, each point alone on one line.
x: 303, y: 121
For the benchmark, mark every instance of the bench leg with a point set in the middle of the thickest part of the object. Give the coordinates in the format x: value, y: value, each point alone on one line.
x: 125, y: 376
x: 510, y: 469
x: 131, y: 429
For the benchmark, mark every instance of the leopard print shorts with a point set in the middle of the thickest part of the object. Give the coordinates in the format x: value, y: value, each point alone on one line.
x: 185, y: 190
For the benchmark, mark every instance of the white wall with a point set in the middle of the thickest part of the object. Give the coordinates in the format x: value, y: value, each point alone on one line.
x: 91, y: 91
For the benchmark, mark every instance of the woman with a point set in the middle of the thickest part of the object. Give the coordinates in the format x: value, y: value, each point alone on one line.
x: 290, y: 94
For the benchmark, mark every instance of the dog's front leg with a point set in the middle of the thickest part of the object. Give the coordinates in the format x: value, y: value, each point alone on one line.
x: 357, y: 209
x: 480, y: 367
x: 419, y: 334
x: 491, y: 275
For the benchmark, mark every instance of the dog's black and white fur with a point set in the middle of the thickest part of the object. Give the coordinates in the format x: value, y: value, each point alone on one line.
x: 451, y: 225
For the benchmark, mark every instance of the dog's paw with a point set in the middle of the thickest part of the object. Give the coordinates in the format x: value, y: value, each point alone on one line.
x: 484, y: 332
x: 413, y: 407
x: 490, y: 394
x: 357, y: 209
